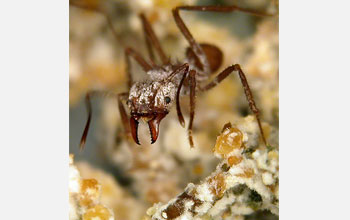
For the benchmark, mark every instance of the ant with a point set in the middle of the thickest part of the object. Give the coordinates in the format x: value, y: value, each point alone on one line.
x: 152, y: 99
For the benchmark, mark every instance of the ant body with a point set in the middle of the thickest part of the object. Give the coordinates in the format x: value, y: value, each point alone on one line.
x: 152, y: 99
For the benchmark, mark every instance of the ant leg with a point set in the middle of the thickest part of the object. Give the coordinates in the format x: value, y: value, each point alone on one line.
x: 103, y: 94
x: 178, y: 107
x: 149, y: 47
x: 114, y: 32
x: 87, y: 126
x: 247, y: 91
x: 139, y: 59
x: 89, y: 110
x: 198, y: 51
x: 183, y: 68
x: 196, y: 48
x: 192, y: 82
x: 122, y: 112
x: 151, y: 38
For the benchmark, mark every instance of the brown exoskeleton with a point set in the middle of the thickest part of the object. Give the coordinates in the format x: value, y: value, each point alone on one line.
x: 152, y: 99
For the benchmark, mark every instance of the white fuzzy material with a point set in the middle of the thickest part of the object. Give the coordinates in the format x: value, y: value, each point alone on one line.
x: 267, y: 178
x: 204, y: 193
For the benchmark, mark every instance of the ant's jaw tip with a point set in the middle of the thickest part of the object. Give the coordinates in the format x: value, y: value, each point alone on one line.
x: 137, y: 141
x: 154, y: 136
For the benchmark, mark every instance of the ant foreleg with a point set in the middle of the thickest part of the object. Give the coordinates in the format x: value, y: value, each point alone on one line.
x: 103, y: 94
x: 87, y: 126
x: 151, y: 38
x: 184, y: 67
x: 247, y: 91
x: 122, y: 112
x: 192, y: 85
x: 192, y: 82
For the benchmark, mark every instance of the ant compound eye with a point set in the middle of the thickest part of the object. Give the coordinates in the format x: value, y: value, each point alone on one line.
x: 167, y: 100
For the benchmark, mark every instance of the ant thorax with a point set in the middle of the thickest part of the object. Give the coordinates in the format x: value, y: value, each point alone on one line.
x: 161, y: 73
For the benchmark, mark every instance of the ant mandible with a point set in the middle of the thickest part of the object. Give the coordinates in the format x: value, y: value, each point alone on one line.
x: 152, y: 99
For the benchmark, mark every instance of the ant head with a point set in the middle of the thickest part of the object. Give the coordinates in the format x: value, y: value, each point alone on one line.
x: 150, y: 101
